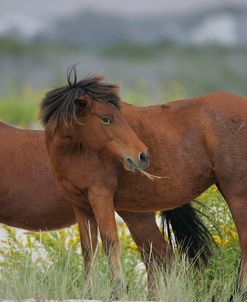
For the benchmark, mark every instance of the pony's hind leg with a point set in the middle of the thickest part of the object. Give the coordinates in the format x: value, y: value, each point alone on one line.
x: 238, y: 208
x: 151, y: 244
x: 237, y: 202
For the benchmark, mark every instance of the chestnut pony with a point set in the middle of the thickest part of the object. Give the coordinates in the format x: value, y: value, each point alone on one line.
x: 84, y: 133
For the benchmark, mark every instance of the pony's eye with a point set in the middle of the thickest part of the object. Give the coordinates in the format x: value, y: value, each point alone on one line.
x: 106, y: 120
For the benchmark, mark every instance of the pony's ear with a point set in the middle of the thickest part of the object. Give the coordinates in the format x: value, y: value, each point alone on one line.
x: 83, y: 105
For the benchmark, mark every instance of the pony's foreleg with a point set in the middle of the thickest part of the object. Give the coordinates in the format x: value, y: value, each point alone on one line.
x: 151, y: 244
x: 101, y: 201
x: 88, y: 235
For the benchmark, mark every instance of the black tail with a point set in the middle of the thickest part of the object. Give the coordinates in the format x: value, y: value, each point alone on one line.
x: 191, y: 235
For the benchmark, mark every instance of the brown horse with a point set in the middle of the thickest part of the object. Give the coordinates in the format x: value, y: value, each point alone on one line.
x: 193, y: 143
x: 196, y: 142
x: 82, y: 142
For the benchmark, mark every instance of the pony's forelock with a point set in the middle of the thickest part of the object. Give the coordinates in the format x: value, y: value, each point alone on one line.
x: 58, y: 106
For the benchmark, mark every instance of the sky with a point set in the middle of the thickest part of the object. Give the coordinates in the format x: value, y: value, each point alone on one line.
x: 47, y: 9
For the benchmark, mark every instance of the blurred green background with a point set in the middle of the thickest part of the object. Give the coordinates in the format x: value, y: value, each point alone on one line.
x: 157, y: 52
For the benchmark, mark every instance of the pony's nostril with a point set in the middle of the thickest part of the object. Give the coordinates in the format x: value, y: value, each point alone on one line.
x: 143, y: 157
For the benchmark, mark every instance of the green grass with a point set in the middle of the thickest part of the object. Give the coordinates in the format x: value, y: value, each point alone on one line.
x: 60, y: 275
x: 49, y: 266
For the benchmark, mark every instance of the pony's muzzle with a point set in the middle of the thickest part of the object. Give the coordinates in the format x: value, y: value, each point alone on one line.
x: 140, y: 164
x: 143, y: 160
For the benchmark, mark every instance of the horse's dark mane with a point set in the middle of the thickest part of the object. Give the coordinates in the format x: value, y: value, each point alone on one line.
x: 58, y: 104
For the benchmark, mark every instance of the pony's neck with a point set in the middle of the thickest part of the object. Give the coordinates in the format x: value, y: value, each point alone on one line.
x: 69, y: 156
x: 63, y: 141
x: 63, y: 148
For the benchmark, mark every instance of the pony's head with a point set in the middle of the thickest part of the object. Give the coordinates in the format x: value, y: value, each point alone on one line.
x: 90, y: 110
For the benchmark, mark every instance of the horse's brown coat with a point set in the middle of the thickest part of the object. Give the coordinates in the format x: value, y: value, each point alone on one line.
x: 28, y: 196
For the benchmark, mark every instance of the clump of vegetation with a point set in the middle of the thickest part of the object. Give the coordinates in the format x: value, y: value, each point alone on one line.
x: 49, y: 265
x: 20, y: 106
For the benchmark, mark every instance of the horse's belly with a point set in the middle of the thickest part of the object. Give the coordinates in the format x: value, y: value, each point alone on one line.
x: 39, y: 220
x: 149, y: 202
x: 144, y: 195
x: 24, y: 209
